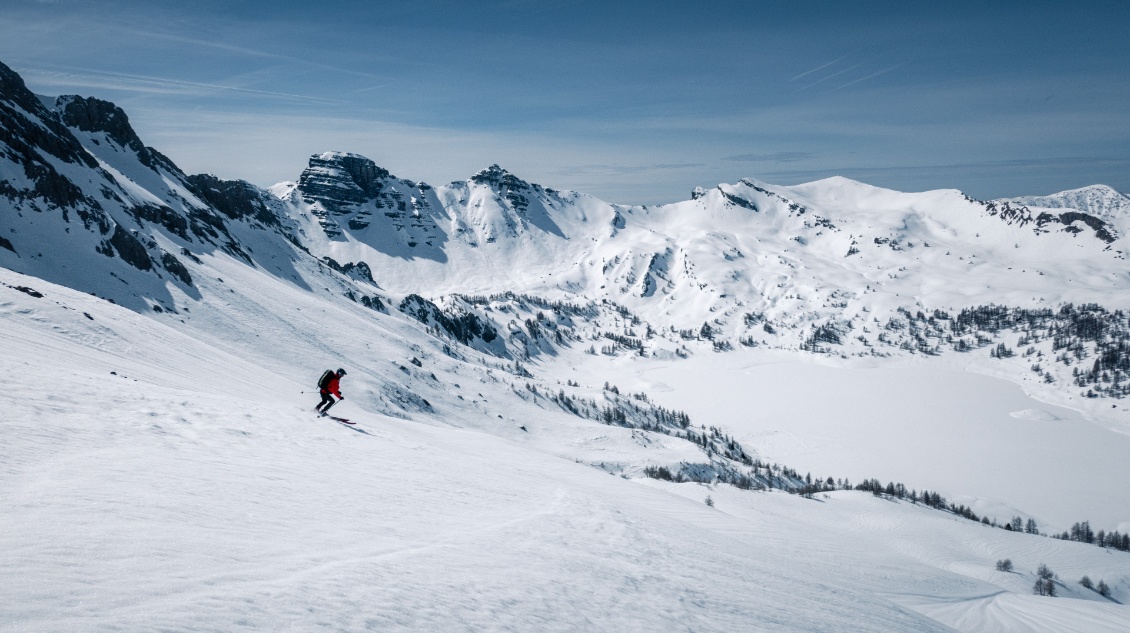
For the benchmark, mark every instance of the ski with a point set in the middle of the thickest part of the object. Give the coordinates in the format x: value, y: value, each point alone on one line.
x: 342, y: 420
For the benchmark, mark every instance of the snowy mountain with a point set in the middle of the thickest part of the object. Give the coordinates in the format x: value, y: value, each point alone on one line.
x: 1097, y: 200
x: 834, y: 266
x: 742, y: 363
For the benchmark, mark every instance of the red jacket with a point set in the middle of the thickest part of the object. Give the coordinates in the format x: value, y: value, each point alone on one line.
x: 332, y: 387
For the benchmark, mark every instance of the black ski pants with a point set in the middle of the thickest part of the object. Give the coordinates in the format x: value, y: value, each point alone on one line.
x: 327, y: 402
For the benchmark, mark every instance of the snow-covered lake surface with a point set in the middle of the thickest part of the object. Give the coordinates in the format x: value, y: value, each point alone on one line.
x: 927, y: 424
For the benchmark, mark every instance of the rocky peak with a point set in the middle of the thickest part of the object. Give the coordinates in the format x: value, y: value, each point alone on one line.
x: 26, y: 137
x: 498, y: 178
x: 1097, y: 200
x: 337, y: 179
x: 95, y: 115
x: 88, y: 114
x: 13, y: 88
x: 236, y: 199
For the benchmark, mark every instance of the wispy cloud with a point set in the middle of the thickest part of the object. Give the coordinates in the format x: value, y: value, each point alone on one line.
x: 778, y: 157
x: 871, y: 76
x: 164, y: 35
x: 831, y: 76
x: 821, y: 67
x: 620, y: 170
x: 90, y: 78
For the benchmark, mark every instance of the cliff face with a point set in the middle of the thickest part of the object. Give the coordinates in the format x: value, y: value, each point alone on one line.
x: 85, y: 203
x: 36, y: 146
x: 337, y: 180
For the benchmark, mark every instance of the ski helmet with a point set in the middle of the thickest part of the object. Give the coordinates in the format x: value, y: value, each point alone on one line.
x: 341, y: 372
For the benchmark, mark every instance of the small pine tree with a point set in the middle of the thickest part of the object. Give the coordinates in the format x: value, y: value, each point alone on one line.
x: 1044, y: 572
x: 1039, y: 589
x: 1103, y: 589
x: 1004, y: 565
x: 1049, y: 587
x: 1086, y: 582
x: 709, y: 501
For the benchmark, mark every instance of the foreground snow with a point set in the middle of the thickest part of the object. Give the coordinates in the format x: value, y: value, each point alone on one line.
x: 158, y: 479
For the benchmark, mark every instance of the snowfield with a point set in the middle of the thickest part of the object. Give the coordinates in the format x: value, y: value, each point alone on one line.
x: 154, y: 479
x: 926, y: 423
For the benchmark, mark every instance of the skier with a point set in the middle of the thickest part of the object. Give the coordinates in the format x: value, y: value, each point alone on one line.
x: 328, y: 384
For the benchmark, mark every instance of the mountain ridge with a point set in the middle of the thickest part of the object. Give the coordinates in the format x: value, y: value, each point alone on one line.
x: 827, y: 265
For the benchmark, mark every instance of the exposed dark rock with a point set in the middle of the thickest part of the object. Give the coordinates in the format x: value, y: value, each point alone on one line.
x: 338, y: 179
x: 1022, y: 215
x: 236, y: 199
x: 164, y: 162
x: 129, y: 249
x: 28, y: 132
x: 31, y: 292
x: 509, y: 186
x: 739, y: 201
x: 95, y: 115
x: 499, y: 178
x: 176, y: 268
x: 55, y: 188
x: 373, y: 303
x: 164, y: 216
x: 189, y: 254
x: 4, y: 243
x: 361, y: 269
x: 464, y: 328
x: 1096, y: 224
x: 24, y: 136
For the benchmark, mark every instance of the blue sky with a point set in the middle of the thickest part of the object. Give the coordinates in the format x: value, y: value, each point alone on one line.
x: 635, y: 102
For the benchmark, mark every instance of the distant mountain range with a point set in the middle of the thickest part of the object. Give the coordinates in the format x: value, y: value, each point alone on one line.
x: 823, y: 266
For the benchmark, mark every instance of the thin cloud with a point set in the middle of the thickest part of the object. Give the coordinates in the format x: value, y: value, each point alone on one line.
x: 835, y: 74
x: 157, y: 85
x: 871, y: 76
x: 251, y: 52
x: 778, y: 157
x: 619, y: 170
x: 820, y: 67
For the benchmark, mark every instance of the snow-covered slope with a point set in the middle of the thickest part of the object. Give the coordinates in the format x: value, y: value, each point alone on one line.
x: 1100, y: 201
x: 172, y: 477
x: 162, y: 469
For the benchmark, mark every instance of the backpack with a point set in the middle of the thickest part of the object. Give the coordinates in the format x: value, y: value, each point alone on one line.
x: 324, y: 381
